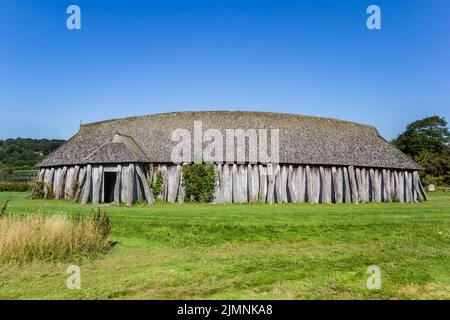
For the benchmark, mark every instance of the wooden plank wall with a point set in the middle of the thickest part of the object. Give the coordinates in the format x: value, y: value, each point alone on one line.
x: 238, y: 183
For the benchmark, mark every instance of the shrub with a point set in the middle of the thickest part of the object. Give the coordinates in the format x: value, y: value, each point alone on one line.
x: 3, y: 209
x: 75, y: 187
x: 156, y: 185
x: 394, y: 197
x: 15, y: 187
x: 199, y: 181
x: 49, y: 187
x: 437, y: 181
x: 37, y: 192
x: 52, y: 237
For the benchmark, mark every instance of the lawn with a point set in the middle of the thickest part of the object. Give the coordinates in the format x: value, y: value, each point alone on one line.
x: 290, y: 251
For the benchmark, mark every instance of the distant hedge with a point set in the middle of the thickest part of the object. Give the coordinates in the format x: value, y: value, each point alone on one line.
x: 15, y: 187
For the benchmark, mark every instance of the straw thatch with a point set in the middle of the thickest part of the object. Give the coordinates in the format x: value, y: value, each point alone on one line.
x: 303, y: 140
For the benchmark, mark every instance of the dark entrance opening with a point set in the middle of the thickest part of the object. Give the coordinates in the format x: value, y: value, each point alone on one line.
x: 110, y: 182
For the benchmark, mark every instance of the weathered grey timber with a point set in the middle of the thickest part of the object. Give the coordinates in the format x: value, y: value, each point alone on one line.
x: 130, y: 184
x: 387, y: 185
x: 337, y: 184
x: 87, y: 185
x: 117, y: 185
x: 270, y: 183
x: 278, y: 185
x: 97, y: 174
x: 292, y: 182
x: 81, y: 181
x: 182, y: 189
x: 300, y: 177
x: 148, y: 193
x: 227, y: 184
x: 347, y: 192
x: 262, y: 193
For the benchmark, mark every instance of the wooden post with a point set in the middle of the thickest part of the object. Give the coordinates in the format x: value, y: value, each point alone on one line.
x: 227, y: 184
x: 73, y: 184
x: 97, y: 175
x: 218, y: 184
x: 235, y: 184
x: 309, y: 195
x: 87, y: 185
x: 253, y: 183
x: 401, y: 186
x: 40, y: 176
x: 182, y: 188
x: 173, y: 180
x: 359, y: 181
x: 421, y: 196
x: 377, y: 185
x: 326, y: 188
x: 262, y: 194
x: 278, y: 185
x: 243, y: 182
x: 392, y: 182
x: 81, y: 180
x: 387, y: 184
x: 292, y: 184
x: 347, y: 188
x: 130, y: 184
x: 408, y: 186
x: 117, y: 185
x: 353, y: 185
x: 46, y: 181
x: 284, y: 183
x: 372, y: 185
x: 163, y: 194
x: 270, y: 184
x: 315, y: 173
x: 301, y: 182
x: 68, y: 183
x: 56, y: 184
x: 147, y: 191
x: 124, y: 185
x: 364, y: 185
x: 337, y: 184
x: 322, y: 184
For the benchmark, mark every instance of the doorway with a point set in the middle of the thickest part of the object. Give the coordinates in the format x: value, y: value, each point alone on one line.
x: 110, y: 182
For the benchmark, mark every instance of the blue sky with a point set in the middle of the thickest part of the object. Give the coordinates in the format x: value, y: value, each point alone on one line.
x: 140, y: 57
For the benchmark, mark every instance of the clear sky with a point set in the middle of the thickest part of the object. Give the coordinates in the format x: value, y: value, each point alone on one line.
x: 134, y: 57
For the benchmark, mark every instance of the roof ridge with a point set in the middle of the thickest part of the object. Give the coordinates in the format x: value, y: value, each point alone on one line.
x: 227, y: 111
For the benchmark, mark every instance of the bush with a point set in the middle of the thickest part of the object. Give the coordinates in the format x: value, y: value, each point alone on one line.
x: 15, y: 187
x: 37, y: 192
x: 437, y: 181
x: 52, y: 237
x: 156, y: 186
x: 199, y: 181
x: 3, y: 208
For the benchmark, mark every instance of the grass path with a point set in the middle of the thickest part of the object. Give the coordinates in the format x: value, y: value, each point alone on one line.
x: 286, y: 251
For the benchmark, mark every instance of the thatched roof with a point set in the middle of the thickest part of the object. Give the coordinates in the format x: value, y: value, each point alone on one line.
x: 303, y: 139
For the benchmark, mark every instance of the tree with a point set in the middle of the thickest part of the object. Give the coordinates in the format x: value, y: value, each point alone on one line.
x: 427, y: 142
x: 428, y: 134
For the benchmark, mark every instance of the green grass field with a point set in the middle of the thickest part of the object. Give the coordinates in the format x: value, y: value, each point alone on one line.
x: 290, y: 251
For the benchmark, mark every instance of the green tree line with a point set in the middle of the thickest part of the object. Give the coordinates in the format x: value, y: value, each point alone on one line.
x: 427, y: 142
x: 18, y: 156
